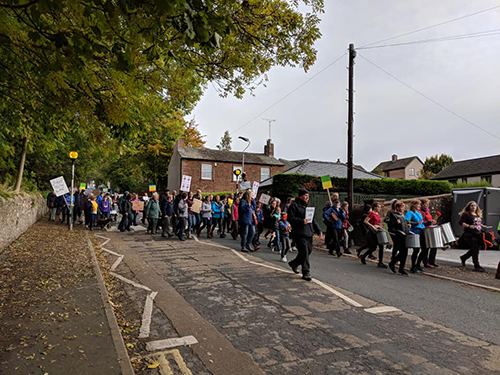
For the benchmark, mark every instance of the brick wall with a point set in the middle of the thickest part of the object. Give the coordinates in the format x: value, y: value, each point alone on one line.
x: 222, y: 174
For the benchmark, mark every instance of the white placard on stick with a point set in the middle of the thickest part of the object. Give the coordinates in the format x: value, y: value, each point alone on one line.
x: 255, y: 189
x: 245, y: 185
x: 186, y: 183
x: 59, y: 186
x: 264, y: 198
x: 310, y: 214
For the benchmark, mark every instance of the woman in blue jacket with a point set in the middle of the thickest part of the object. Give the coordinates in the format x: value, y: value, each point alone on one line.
x: 217, y: 216
x: 334, y: 217
x: 415, y: 219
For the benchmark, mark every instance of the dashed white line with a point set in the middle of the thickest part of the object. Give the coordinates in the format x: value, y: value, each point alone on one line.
x: 170, y: 343
x: 146, y: 316
x: 381, y: 309
x: 124, y: 279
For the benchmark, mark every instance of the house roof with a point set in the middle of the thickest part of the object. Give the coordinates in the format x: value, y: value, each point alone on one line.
x: 398, y: 164
x: 227, y: 156
x: 472, y: 167
x: 323, y: 168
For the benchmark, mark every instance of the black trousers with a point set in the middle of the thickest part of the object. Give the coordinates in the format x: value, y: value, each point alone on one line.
x: 304, y: 248
x: 152, y: 225
x: 334, y: 240
x: 399, y: 251
x: 474, y: 244
x: 181, y: 226
x: 371, y: 238
x: 423, y: 257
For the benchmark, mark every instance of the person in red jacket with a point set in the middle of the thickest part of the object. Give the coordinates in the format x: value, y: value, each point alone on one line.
x: 427, y: 258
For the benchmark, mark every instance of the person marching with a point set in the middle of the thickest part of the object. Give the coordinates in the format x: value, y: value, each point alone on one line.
x: 427, y: 256
x: 285, y: 229
x: 167, y: 211
x: 206, y: 216
x: 373, y: 222
x: 346, y: 228
x: 471, y: 221
x: 302, y: 231
x: 414, y: 217
x: 153, y: 213
x: 398, y: 229
x: 182, y: 215
x: 334, y: 217
x: 245, y: 216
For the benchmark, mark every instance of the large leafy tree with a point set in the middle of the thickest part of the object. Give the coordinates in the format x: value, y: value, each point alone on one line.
x: 113, y: 67
x: 435, y: 164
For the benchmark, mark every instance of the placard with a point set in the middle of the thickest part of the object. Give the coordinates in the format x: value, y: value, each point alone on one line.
x: 137, y: 205
x: 59, y: 186
x: 83, y: 185
x: 88, y: 191
x: 152, y: 188
x: 326, y: 181
x: 245, y: 185
x: 310, y: 214
x: 104, y: 190
x: 264, y: 198
x: 196, y: 207
x: 255, y: 189
x: 186, y: 183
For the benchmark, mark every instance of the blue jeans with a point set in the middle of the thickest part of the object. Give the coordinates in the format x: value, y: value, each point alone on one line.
x: 193, y: 222
x: 247, y: 234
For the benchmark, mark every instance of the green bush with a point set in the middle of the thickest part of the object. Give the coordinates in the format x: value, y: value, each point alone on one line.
x: 287, y: 185
x: 460, y: 185
x: 221, y: 193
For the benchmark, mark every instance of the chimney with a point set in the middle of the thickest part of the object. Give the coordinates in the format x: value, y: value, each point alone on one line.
x: 269, y: 148
x: 181, y: 143
x: 338, y: 161
x: 394, y: 157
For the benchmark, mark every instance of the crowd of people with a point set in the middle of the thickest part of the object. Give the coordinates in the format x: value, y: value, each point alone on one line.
x: 285, y: 227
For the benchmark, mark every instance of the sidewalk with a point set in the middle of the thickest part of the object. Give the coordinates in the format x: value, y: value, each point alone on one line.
x: 488, y: 258
x: 51, y: 311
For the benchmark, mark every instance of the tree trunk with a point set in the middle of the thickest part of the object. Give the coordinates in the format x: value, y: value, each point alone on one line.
x: 21, y: 167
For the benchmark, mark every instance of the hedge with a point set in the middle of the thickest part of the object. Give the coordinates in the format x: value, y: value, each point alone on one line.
x: 287, y: 185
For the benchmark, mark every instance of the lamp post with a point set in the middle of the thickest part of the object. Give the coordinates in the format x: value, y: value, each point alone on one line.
x: 73, y: 155
x: 243, y: 163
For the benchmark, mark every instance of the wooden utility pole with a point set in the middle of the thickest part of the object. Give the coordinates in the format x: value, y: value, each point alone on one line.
x: 350, y: 126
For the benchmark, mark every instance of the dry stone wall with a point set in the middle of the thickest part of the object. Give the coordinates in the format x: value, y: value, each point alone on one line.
x: 18, y: 214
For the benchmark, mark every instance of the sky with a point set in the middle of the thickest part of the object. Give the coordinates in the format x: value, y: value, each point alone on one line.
x: 461, y: 75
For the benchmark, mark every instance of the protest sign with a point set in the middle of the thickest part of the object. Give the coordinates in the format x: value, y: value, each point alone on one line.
x: 59, y: 186
x: 196, y: 207
x: 310, y: 214
x: 83, y: 185
x: 186, y: 183
x: 152, y: 188
x: 245, y: 185
x: 255, y: 189
x: 137, y: 205
x: 326, y: 181
x: 264, y: 199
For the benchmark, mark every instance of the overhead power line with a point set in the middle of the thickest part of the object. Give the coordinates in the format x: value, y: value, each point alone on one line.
x: 432, y: 26
x: 287, y: 95
x: 428, y: 98
x: 478, y: 34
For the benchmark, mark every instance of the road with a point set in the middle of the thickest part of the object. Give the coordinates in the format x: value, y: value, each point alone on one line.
x: 469, y: 310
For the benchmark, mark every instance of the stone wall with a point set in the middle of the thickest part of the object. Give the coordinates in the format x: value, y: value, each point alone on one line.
x: 18, y: 214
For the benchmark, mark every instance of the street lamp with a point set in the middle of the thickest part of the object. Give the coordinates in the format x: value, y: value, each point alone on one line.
x: 73, y: 155
x: 243, y: 163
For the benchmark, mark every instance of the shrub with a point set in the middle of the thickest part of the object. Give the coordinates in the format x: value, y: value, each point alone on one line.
x: 221, y: 193
x: 286, y: 185
x: 460, y: 185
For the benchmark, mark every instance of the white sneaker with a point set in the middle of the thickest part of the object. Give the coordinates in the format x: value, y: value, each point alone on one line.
x: 284, y: 259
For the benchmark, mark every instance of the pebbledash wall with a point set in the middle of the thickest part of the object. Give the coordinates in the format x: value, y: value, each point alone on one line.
x: 18, y: 214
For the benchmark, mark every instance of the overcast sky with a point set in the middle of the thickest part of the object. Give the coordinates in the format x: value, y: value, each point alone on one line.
x: 462, y: 75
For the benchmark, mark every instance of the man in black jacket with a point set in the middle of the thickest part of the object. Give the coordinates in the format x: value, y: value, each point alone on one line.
x: 302, y: 230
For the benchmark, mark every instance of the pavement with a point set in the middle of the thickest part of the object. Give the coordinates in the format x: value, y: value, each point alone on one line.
x: 489, y: 259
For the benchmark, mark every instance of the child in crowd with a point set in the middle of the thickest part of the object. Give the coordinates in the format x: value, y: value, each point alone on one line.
x: 94, y: 209
x: 284, y: 229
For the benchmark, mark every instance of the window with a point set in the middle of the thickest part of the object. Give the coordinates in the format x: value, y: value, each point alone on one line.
x: 235, y: 167
x: 206, y: 171
x: 265, y: 173
x: 486, y: 178
x: 464, y: 180
x: 386, y: 174
x: 412, y: 171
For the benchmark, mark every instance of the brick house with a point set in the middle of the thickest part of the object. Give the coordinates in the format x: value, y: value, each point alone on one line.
x: 406, y: 168
x: 212, y: 170
x: 473, y: 170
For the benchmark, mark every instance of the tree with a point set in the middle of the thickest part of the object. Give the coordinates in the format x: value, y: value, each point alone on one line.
x: 225, y: 142
x: 435, y: 164
x: 112, y: 67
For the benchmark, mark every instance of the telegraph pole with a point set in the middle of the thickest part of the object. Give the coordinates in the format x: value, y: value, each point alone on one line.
x: 350, y: 126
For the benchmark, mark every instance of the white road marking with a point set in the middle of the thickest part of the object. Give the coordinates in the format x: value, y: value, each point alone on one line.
x: 124, y: 279
x: 111, y: 252
x: 104, y: 238
x: 337, y: 293
x: 381, y: 309
x: 195, y: 238
x: 239, y: 255
x: 271, y: 267
x: 146, y: 316
x: 116, y: 263
x: 171, y: 343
